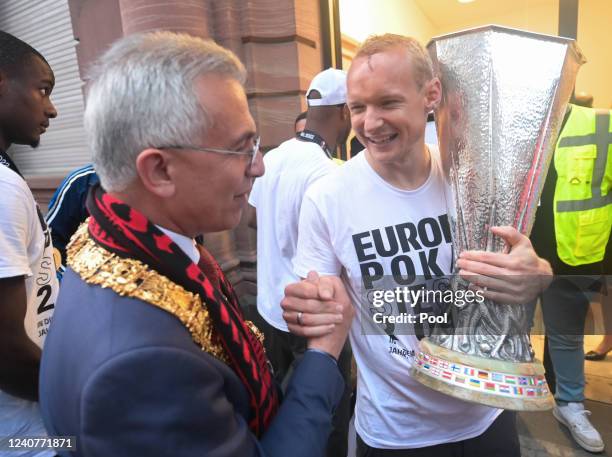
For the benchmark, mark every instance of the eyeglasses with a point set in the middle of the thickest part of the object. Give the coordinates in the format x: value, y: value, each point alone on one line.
x: 252, y: 153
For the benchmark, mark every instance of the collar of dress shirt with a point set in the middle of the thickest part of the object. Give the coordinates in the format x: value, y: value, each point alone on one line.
x: 187, y: 245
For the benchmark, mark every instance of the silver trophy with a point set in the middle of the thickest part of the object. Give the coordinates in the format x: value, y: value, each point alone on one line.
x: 505, y: 93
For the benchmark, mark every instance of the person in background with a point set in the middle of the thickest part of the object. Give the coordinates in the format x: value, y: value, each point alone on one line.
x: 300, y: 122
x: 355, y: 146
x: 571, y: 230
x: 160, y: 359
x: 600, y: 352
x: 67, y: 210
x: 276, y: 199
x: 28, y: 283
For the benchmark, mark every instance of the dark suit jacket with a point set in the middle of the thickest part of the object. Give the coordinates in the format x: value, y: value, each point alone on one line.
x: 126, y: 379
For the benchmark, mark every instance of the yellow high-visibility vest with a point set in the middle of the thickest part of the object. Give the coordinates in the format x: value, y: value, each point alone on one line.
x: 583, y: 201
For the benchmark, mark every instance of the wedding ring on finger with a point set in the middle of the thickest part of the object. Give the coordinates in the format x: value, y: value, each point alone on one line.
x: 299, y: 318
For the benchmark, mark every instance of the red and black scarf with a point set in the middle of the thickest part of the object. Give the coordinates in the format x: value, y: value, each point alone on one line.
x: 126, y: 232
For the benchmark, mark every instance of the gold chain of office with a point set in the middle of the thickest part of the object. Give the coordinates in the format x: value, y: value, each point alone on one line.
x: 131, y: 278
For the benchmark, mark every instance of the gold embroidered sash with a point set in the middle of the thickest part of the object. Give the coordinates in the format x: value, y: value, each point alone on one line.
x: 132, y: 278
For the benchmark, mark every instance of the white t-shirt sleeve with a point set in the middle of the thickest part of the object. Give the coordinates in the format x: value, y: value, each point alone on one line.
x: 323, y: 168
x: 14, y: 230
x: 314, y: 247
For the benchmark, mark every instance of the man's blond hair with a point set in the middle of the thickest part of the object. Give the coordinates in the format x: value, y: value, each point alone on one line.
x: 421, y: 62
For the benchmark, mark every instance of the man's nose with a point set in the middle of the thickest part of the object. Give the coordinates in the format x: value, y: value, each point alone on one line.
x: 372, y: 120
x: 257, y: 168
x: 50, y: 110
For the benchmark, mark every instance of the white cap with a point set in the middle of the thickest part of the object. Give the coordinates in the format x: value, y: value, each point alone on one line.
x: 331, y: 84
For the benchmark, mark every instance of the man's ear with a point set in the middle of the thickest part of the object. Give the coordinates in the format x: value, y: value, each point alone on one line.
x: 433, y: 93
x: 346, y: 114
x: 152, y: 167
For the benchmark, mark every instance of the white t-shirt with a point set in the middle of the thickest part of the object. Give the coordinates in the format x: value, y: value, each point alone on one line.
x: 373, y: 230
x: 26, y: 250
x: 290, y: 170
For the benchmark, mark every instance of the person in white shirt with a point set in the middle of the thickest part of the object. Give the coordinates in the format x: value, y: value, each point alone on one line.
x: 276, y: 197
x: 394, y: 228
x: 300, y: 122
x: 28, y: 283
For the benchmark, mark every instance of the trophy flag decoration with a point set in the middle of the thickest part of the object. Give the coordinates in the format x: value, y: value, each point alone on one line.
x: 504, y: 96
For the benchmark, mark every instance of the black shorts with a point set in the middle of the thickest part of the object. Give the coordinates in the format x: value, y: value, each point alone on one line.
x: 499, y: 440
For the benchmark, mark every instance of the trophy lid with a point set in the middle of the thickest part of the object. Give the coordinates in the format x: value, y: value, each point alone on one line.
x: 571, y: 43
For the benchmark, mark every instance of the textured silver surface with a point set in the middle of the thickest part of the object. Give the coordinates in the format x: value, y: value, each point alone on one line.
x: 504, y: 97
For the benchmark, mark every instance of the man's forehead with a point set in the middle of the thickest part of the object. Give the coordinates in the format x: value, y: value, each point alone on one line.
x: 224, y: 99
x: 40, y: 69
x: 380, y: 67
x: 392, y: 57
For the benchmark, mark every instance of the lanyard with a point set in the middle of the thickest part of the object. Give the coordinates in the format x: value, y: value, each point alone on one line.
x: 7, y: 162
x: 312, y: 137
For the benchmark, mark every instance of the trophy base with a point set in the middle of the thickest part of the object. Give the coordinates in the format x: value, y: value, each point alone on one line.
x: 507, y: 385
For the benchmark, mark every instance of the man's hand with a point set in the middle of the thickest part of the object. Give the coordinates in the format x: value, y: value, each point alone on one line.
x: 516, y: 277
x: 319, y: 309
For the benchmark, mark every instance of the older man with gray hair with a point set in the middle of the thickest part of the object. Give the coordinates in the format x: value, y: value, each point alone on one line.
x: 149, y: 353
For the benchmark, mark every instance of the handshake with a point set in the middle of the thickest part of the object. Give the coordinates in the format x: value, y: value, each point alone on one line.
x: 320, y: 310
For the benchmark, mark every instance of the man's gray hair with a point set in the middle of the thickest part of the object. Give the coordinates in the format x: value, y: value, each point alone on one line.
x: 142, y: 95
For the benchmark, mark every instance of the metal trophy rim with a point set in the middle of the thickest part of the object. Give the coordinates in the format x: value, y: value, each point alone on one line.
x: 570, y: 42
x: 519, y: 397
